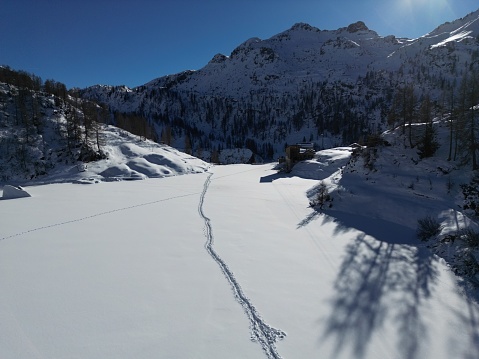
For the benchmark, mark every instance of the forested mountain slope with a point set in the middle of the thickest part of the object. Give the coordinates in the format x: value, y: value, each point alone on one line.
x: 49, y: 134
x: 304, y: 84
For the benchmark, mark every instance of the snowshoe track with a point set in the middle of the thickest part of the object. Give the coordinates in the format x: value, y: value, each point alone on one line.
x: 260, y: 331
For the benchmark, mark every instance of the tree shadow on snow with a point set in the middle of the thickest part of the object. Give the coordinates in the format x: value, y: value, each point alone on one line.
x: 467, y: 318
x: 378, y: 228
x: 309, y: 218
x: 381, y: 280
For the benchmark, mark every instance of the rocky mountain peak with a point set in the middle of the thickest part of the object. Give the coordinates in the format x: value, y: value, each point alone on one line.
x: 357, y: 26
x: 303, y: 26
x: 218, y: 59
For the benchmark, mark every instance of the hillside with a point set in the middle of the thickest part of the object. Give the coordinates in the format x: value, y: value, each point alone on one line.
x: 127, y: 158
x: 331, y: 87
x: 383, y: 188
x: 47, y: 138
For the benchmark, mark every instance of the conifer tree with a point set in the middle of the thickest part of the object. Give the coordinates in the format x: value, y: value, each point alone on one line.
x: 428, y: 144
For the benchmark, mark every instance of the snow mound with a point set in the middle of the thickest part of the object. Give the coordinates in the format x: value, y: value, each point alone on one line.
x: 130, y: 158
x: 12, y: 192
x: 324, y: 164
x: 121, y: 171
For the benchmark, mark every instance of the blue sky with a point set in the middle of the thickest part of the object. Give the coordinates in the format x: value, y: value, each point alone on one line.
x: 87, y: 42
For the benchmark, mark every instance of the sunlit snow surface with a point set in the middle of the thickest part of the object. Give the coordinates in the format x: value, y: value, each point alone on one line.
x: 121, y: 270
x: 128, y: 157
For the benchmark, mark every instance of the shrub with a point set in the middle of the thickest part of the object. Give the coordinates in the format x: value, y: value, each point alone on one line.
x: 322, y: 196
x: 427, y: 227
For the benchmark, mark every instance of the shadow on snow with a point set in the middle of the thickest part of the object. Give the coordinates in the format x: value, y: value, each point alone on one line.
x: 272, y: 177
x: 382, y: 276
x: 379, y: 280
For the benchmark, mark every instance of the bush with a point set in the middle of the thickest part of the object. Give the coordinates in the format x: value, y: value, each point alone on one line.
x: 427, y: 227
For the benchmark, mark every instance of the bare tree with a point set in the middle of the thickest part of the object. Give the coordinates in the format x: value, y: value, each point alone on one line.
x: 467, y: 114
x: 428, y: 144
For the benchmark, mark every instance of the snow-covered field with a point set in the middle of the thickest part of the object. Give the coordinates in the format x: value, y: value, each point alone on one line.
x: 195, y: 266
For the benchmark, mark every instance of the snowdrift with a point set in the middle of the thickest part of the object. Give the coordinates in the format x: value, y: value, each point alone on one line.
x: 12, y: 192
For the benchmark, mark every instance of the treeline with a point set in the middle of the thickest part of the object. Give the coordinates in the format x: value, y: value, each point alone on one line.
x: 135, y: 124
x: 459, y: 105
x: 21, y: 79
x: 262, y: 121
x: 29, y: 81
x: 43, y: 124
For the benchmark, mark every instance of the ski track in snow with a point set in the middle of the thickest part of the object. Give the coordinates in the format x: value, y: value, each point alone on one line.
x: 260, y: 331
x: 94, y: 215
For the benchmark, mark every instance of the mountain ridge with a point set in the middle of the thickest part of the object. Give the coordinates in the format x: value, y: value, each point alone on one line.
x: 297, y: 85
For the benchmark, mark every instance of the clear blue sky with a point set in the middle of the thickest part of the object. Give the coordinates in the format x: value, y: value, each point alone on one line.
x: 87, y: 42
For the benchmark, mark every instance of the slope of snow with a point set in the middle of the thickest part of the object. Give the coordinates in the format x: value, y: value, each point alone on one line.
x: 12, y: 192
x: 129, y: 158
x: 455, y: 37
x: 120, y: 270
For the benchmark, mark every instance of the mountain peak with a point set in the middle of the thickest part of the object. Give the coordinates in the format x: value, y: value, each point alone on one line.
x: 304, y: 26
x: 218, y: 59
x: 357, y: 26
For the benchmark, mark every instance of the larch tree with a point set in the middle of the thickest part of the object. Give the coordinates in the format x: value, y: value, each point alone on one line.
x: 428, y: 144
x: 467, y: 112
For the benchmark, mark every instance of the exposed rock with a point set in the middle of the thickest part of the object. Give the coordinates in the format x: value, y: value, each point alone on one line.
x: 357, y: 26
x: 218, y: 59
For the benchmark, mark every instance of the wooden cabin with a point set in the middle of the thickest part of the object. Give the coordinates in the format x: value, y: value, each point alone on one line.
x: 297, y: 153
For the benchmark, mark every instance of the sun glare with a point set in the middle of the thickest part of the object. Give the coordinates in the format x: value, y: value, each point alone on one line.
x: 432, y: 6
x: 419, y: 16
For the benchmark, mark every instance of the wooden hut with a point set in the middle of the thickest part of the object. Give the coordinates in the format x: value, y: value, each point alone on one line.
x: 298, y: 152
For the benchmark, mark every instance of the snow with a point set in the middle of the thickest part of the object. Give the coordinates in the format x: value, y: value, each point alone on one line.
x: 129, y: 158
x: 114, y: 273
x: 456, y: 37
x: 12, y: 192
x: 196, y: 266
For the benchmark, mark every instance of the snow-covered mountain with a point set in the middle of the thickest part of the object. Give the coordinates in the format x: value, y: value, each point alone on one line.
x: 302, y: 84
